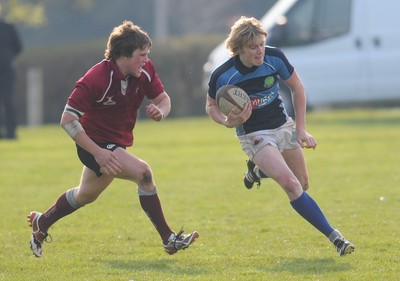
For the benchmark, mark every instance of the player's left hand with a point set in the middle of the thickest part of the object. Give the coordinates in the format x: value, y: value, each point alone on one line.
x: 234, y: 118
x: 305, y: 139
x: 154, y: 112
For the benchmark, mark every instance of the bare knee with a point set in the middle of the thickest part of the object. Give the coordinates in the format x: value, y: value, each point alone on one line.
x: 291, y: 186
x: 304, y: 183
x: 146, y: 181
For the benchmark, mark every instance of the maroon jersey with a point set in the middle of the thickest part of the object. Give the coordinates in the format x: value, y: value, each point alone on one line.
x: 107, y: 102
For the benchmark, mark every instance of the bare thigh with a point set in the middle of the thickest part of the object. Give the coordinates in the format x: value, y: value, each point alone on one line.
x: 296, y: 162
x: 90, y: 186
x: 135, y: 169
x: 270, y: 160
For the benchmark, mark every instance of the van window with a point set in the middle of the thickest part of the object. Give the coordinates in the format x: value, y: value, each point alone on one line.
x: 310, y: 21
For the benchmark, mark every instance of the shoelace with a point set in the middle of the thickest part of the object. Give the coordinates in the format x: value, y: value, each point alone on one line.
x: 177, y: 237
x: 250, y: 177
x: 339, y: 244
x: 47, y: 237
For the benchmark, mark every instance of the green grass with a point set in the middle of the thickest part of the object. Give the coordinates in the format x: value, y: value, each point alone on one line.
x: 198, y: 165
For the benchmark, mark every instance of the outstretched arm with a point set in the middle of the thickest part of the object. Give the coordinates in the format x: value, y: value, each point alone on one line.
x: 105, y: 158
x: 300, y: 102
x: 159, y: 107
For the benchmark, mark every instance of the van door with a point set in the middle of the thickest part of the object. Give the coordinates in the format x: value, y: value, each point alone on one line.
x: 318, y: 37
x: 382, y: 42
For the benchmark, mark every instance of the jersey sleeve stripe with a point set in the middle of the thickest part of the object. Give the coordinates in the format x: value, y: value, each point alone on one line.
x: 73, y: 111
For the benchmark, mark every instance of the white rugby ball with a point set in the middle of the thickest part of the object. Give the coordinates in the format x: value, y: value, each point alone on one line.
x: 229, y: 96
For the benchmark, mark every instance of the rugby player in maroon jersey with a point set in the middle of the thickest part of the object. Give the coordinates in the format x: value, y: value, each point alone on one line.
x: 100, y: 116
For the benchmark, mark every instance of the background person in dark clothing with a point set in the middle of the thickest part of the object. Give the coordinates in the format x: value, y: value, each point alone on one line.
x: 10, y: 47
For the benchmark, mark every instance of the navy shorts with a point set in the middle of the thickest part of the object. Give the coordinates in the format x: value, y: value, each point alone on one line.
x: 88, y: 160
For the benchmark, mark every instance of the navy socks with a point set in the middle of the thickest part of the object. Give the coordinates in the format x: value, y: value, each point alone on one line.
x: 309, y: 210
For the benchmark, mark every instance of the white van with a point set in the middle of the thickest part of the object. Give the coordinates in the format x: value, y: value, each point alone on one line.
x: 345, y: 51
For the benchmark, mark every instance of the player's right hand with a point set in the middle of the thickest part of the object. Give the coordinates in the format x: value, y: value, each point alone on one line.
x: 108, y: 162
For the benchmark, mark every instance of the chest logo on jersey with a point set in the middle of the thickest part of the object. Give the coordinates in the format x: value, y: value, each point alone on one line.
x: 269, y: 81
x: 124, y: 85
x: 109, y: 101
x: 263, y: 99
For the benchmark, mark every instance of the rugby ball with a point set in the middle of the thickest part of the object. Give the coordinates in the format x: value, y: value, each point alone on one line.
x: 229, y: 96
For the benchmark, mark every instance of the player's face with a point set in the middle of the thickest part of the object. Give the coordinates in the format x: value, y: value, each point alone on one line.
x: 135, y: 63
x: 253, y: 54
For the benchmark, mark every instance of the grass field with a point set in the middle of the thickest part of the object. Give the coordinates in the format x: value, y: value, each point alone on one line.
x: 198, y: 165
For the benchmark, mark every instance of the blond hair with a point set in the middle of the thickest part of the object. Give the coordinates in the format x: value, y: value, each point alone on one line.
x: 244, y: 32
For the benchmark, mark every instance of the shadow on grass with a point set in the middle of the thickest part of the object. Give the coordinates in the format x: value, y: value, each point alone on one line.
x: 362, y: 120
x: 309, y: 266
x: 156, y: 266
x: 369, y: 121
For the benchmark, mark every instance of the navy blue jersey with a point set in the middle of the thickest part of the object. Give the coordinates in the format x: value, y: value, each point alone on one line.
x: 261, y: 83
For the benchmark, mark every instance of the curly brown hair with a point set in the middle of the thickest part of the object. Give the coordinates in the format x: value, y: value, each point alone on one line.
x: 124, y: 39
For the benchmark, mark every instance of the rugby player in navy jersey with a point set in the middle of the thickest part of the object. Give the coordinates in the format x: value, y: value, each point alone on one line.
x: 100, y: 116
x: 271, y: 139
